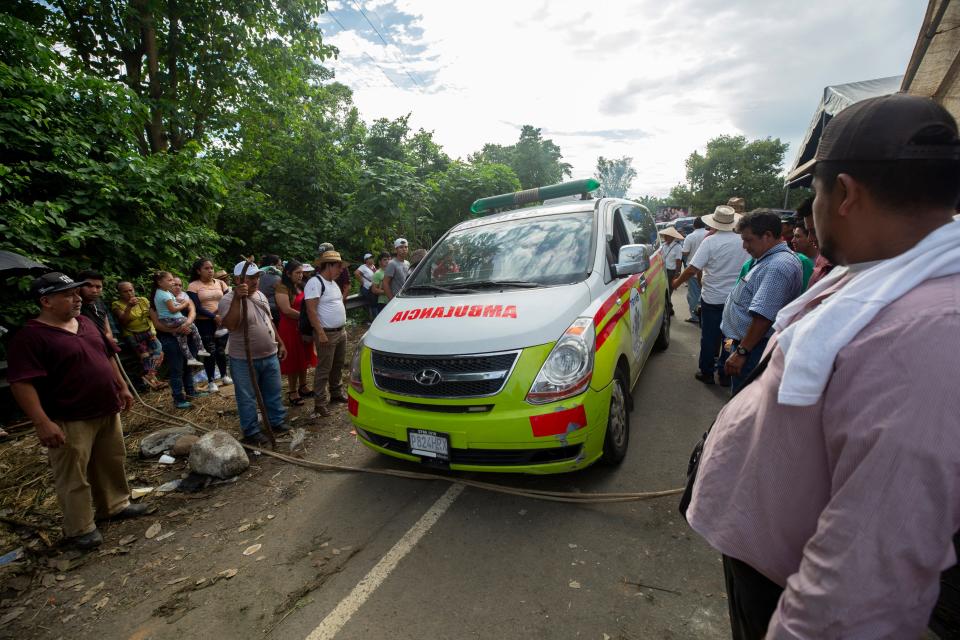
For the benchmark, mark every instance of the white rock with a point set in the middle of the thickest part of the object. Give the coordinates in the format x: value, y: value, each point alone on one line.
x: 218, y: 454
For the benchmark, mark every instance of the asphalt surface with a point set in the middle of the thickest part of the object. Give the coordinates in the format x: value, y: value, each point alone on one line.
x: 365, y: 556
x: 496, y: 566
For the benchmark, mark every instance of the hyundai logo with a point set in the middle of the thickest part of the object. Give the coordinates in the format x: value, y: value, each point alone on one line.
x: 428, y: 377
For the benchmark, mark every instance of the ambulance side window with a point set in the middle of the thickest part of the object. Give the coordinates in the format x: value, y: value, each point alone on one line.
x: 640, y: 226
x: 621, y: 236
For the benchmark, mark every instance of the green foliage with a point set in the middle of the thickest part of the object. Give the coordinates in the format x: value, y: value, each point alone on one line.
x: 535, y: 161
x: 732, y: 166
x: 653, y: 203
x: 193, y: 63
x: 74, y: 191
x: 174, y: 129
x: 391, y: 201
x: 615, y: 176
x: 454, y: 190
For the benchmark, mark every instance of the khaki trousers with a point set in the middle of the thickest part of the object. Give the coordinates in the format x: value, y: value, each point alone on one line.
x: 329, y: 371
x: 88, y: 472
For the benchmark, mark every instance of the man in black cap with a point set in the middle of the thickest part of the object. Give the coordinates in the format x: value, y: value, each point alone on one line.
x: 64, y: 376
x: 831, y: 482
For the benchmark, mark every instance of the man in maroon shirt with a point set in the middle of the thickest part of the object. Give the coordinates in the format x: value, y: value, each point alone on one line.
x: 64, y: 376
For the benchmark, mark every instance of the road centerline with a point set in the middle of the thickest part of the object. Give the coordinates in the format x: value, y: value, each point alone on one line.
x: 341, y: 614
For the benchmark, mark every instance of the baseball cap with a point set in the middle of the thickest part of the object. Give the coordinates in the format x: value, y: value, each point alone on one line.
x: 252, y: 270
x: 367, y: 256
x: 399, y: 242
x: 324, y: 247
x: 886, y: 128
x: 53, y: 282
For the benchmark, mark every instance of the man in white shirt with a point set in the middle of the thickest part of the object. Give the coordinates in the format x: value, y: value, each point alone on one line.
x: 719, y: 260
x: 324, y: 301
x: 690, y: 245
x: 672, y: 255
x: 364, y: 274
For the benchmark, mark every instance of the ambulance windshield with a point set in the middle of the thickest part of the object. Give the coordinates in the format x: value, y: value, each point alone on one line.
x: 542, y: 251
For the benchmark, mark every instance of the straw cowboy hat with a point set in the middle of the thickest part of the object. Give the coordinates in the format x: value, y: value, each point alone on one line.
x: 671, y: 232
x: 328, y: 256
x: 723, y: 218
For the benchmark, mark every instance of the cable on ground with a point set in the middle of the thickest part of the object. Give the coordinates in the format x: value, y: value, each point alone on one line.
x: 536, y: 494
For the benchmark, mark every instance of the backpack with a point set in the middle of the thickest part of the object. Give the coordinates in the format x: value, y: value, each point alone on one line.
x: 303, y: 323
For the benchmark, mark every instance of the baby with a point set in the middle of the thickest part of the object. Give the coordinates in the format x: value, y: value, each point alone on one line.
x: 169, y: 304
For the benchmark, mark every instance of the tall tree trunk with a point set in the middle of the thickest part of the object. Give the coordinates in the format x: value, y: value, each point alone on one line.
x: 155, y: 125
x: 173, y: 50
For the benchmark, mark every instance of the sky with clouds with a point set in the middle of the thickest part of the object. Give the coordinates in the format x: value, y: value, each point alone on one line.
x: 649, y: 79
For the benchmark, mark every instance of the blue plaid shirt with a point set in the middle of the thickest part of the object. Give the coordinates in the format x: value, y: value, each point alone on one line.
x: 774, y: 280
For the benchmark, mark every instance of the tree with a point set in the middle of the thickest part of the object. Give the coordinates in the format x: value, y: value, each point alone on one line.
x: 535, y: 161
x: 615, y: 176
x: 426, y: 155
x: 732, y: 166
x: 653, y: 202
x: 193, y: 63
x: 292, y: 176
x: 75, y: 191
x: 454, y: 190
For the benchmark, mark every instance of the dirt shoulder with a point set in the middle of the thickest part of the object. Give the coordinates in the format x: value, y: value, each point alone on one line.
x: 205, y: 539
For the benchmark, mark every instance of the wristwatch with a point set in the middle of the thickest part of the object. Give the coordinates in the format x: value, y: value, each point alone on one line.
x: 741, y: 351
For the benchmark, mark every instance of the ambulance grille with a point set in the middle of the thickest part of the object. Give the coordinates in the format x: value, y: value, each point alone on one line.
x: 467, y: 376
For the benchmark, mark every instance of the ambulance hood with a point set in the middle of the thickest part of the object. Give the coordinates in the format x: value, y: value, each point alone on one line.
x: 477, y: 323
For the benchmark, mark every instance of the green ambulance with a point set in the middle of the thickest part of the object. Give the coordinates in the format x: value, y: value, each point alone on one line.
x: 515, y: 343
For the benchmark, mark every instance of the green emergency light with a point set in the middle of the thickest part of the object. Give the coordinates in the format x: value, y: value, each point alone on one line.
x: 559, y: 190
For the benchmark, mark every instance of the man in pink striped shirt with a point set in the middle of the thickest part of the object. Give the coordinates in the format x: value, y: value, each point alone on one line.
x: 835, y: 517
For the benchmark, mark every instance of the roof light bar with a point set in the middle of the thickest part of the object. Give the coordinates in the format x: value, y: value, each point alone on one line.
x: 559, y: 190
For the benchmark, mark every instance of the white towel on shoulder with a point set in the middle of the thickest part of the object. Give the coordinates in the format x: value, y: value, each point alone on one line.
x: 811, y: 345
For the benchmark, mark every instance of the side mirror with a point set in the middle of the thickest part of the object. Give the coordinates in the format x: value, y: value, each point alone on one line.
x: 633, y: 258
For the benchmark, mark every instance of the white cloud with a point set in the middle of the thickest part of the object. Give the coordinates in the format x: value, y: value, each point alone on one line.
x: 653, y: 80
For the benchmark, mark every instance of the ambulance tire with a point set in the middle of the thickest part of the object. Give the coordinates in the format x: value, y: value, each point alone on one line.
x: 663, y: 338
x: 617, y: 435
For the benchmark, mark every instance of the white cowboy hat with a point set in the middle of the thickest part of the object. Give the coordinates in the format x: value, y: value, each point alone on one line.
x: 723, y: 218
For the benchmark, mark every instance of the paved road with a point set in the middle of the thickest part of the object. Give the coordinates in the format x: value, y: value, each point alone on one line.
x: 373, y: 557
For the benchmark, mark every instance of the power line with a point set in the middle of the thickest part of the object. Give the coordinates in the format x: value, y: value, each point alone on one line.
x: 384, y: 41
x: 385, y: 75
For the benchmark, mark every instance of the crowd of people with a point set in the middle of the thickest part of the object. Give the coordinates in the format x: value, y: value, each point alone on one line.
x: 72, y: 367
x: 741, y: 270
x: 830, y: 482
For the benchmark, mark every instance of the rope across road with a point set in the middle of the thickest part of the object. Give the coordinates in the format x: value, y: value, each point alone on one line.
x: 536, y: 494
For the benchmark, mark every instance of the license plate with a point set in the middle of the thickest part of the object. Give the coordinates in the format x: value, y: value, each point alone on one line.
x: 429, y: 443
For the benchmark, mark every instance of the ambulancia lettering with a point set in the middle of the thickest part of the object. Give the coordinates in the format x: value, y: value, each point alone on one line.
x: 458, y: 311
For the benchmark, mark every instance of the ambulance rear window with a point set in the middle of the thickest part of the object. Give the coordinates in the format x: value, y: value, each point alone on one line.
x: 541, y: 251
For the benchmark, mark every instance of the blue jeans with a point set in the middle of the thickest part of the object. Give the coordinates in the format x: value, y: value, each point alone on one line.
x: 693, y: 295
x: 753, y: 359
x: 711, y: 338
x: 267, y: 371
x: 181, y: 379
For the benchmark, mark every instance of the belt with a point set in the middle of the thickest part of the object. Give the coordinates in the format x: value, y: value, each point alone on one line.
x: 337, y: 329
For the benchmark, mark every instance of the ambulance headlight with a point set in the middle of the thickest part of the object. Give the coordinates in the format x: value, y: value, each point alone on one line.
x: 356, y: 381
x: 569, y: 367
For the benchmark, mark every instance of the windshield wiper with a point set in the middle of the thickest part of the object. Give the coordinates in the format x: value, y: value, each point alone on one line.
x: 429, y: 287
x: 495, y: 283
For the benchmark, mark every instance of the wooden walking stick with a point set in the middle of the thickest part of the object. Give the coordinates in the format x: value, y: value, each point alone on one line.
x: 246, y: 346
